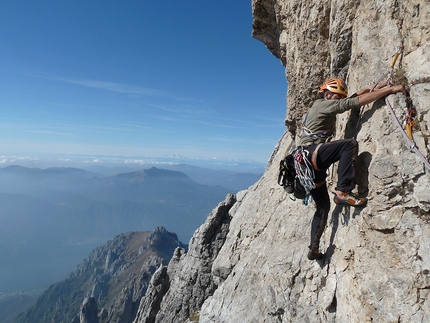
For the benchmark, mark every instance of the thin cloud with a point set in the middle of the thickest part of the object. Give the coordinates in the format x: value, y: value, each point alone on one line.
x: 108, y: 86
x: 164, y: 108
x: 128, y: 89
x: 115, y: 87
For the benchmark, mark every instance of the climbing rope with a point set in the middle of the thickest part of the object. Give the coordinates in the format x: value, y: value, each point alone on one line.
x: 412, y: 145
x: 410, y: 118
x: 389, y: 73
x: 304, y: 171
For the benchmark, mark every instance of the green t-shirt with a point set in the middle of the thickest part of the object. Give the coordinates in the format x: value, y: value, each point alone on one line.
x: 320, y: 121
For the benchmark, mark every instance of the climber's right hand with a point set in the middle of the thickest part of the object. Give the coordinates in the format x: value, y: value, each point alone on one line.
x: 398, y: 88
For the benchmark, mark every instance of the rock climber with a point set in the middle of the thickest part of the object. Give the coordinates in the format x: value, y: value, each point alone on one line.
x: 317, y: 129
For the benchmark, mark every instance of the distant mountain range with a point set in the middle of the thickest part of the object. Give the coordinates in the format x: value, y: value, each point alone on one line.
x: 113, y: 279
x: 131, y: 163
x: 233, y: 180
x: 50, y: 219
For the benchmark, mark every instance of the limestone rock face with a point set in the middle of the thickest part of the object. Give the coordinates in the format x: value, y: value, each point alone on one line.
x: 377, y: 265
x: 187, y: 281
x: 378, y: 260
x: 108, y: 285
x: 89, y: 311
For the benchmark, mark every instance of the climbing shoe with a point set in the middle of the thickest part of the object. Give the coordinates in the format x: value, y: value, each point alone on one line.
x: 350, y: 199
x: 315, y: 255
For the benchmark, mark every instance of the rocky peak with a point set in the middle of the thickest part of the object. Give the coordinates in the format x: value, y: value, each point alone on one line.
x: 177, y: 292
x: 109, y: 284
x: 161, y: 234
x: 89, y: 311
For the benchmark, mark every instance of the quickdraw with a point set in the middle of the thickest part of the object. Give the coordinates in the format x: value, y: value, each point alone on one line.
x: 410, y: 118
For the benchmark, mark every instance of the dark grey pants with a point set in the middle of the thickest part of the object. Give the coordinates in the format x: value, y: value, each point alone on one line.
x: 345, y: 152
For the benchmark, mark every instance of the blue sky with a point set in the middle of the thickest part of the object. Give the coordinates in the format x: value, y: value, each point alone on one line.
x: 137, y: 79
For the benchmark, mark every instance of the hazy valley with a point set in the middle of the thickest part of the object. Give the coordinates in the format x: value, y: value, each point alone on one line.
x: 114, y: 278
x: 50, y: 219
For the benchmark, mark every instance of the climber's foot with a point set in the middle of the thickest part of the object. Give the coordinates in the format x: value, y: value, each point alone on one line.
x: 315, y: 255
x: 343, y: 198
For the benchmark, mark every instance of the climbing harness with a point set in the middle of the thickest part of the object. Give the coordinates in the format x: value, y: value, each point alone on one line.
x: 314, y: 157
x: 322, y: 134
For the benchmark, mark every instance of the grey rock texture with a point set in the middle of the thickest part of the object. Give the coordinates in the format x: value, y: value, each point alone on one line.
x: 89, y: 311
x: 109, y: 284
x: 150, y: 304
x: 378, y: 258
x: 188, y: 276
x: 377, y: 265
x: 127, y: 270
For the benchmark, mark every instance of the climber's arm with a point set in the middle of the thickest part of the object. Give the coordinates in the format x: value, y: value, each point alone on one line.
x: 367, y: 89
x: 370, y: 97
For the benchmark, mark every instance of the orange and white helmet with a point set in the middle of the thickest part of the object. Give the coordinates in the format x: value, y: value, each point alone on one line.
x: 335, y: 85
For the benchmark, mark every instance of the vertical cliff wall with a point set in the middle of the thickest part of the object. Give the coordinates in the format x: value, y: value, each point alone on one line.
x: 377, y: 267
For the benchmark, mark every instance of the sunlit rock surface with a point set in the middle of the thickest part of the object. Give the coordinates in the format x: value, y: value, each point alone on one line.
x: 377, y: 267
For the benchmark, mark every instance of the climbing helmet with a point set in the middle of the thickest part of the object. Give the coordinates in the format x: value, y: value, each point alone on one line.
x: 335, y: 85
